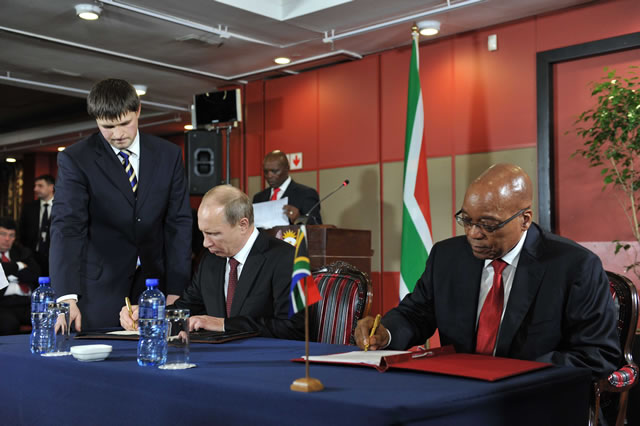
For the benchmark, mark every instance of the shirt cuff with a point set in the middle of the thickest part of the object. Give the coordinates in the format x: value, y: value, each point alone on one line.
x: 389, y: 342
x: 67, y: 297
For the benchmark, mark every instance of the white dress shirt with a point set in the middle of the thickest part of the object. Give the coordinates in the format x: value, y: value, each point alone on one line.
x: 241, y: 257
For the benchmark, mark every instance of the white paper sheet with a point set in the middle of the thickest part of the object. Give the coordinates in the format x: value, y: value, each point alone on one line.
x: 3, y: 279
x: 356, y: 357
x: 269, y: 213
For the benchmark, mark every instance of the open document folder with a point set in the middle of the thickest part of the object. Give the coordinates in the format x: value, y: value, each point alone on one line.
x: 269, y: 213
x: 440, y: 360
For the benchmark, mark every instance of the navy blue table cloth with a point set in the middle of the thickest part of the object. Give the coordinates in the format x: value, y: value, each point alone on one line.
x: 247, y: 382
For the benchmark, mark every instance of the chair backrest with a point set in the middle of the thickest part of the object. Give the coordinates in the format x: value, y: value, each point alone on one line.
x: 346, y: 298
x: 626, y: 298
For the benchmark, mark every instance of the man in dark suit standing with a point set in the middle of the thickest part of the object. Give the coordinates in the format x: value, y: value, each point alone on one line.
x: 507, y: 288
x: 243, y: 281
x: 35, y: 219
x: 22, y: 271
x: 301, y: 198
x: 121, y: 213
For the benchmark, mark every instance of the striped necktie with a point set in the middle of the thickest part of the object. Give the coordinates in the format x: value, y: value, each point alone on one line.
x: 131, y: 174
x: 491, y: 313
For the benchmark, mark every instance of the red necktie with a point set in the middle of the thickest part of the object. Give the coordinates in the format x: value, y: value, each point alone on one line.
x: 5, y: 259
x: 274, y: 196
x: 233, y: 281
x: 489, y: 321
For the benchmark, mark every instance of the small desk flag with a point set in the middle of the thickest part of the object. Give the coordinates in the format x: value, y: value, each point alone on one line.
x: 299, y: 278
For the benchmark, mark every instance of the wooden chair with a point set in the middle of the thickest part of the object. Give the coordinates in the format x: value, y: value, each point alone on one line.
x: 346, y: 298
x: 625, y: 377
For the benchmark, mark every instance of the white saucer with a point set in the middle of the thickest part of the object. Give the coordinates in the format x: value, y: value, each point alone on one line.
x: 91, y: 352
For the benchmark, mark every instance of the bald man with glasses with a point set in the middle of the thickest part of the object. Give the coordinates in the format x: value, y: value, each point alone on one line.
x: 507, y: 288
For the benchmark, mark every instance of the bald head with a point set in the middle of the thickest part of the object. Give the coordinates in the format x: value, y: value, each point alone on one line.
x: 505, y: 185
x: 235, y: 203
x: 497, y: 210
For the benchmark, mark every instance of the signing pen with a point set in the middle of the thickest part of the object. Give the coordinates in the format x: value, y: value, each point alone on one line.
x: 376, y: 322
x: 128, y: 302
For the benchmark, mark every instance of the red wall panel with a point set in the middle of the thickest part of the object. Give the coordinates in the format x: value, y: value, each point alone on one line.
x: 291, y: 119
x: 495, y: 92
x: 348, y: 102
x: 587, y: 23
x: 581, y: 205
x: 254, y: 127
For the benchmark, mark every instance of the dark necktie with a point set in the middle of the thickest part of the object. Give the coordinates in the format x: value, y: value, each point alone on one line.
x: 489, y: 321
x: 274, y: 196
x: 131, y: 174
x: 43, y: 240
x: 233, y: 281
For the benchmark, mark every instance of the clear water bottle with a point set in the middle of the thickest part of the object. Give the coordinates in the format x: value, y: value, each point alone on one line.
x: 152, y: 346
x: 42, y: 325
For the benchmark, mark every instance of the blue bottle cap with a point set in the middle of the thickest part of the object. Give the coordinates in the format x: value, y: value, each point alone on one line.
x: 152, y: 282
x: 44, y: 280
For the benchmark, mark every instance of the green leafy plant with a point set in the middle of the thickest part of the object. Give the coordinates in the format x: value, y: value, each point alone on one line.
x: 612, y: 143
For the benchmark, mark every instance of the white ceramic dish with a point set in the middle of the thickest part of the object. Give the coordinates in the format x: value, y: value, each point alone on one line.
x: 91, y: 352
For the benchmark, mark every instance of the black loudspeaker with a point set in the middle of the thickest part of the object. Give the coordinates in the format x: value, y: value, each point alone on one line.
x: 203, y: 160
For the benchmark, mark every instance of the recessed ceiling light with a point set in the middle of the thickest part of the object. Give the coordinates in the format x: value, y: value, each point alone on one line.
x: 141, y: 89
x: 10, y: 160
x: 282, y: 60
x: 61, y: 148
x: 188, y: 126
x: 88, y: 12
x: 429, y: 28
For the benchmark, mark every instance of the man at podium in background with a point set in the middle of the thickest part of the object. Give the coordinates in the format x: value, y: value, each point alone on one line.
x: 507, y: 288
x: 301, y: 197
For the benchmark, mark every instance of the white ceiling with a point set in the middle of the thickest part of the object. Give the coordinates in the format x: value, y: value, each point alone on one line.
x: 181, y: 48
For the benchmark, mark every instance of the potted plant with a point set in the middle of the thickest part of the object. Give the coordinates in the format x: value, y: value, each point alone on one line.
x: 612, y: 142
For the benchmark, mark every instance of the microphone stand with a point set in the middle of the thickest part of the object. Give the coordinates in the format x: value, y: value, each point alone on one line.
x: 303, y: 219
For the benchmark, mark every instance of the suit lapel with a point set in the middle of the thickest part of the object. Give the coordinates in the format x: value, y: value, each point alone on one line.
x: 466, y: 290
x: 107, y: 161
x: 149, y: 167
x: 525, y: 286
x: 249, y: 274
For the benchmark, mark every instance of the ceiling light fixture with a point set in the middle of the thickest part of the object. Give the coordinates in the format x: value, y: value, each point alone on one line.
x: 61, y: 148
x: 141, y: 89
x: 10, y: 160
x: 282, y: 60
x: 188, y: 126
x: 88, y: 12
x: 429, y: 28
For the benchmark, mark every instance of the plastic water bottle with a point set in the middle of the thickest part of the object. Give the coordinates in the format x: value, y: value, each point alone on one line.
x: 152, y: 346
x: 41, y: 325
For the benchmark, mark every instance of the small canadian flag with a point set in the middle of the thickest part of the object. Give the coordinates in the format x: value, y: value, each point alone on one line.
x: 295, y: 160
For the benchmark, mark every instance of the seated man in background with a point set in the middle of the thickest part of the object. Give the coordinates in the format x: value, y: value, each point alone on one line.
x: 35, y: 219
x: 301, y: 197
x: 507, y: 288
x: 21, y: 270
x: 242, y: 283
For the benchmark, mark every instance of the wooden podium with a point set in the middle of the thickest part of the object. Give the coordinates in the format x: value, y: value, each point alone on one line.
x: 328, y: 244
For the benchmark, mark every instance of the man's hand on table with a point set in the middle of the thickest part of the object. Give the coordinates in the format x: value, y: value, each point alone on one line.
x: 205, y: 322
x: 75, y: 316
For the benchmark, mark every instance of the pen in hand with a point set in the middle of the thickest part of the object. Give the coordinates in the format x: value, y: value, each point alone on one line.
x: 376, y: 322
x: 128, y: 302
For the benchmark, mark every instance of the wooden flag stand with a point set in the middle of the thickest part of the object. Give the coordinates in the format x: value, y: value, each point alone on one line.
x: 306, y: 383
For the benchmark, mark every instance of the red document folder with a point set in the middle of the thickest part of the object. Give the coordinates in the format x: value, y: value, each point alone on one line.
x: 446, y: 361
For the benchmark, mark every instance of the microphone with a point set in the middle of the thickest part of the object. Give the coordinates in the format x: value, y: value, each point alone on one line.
x: 302, y: 219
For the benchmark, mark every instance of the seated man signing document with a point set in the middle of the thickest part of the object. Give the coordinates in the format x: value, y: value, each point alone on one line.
x: 242, y: 284
x: 507, y: 288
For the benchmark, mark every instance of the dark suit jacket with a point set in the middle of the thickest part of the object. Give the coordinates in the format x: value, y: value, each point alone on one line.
x: 30, y: 233
x: 28, y: 275
x: 559, y: 309
x: 261, y: 299
x: 30, y: 224
x: 300, y: 196
x: 98, y: 227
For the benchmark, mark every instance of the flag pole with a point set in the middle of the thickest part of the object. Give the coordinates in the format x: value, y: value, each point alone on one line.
x: 306, y: 383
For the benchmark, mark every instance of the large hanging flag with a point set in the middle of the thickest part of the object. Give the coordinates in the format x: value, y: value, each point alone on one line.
x: 300, y: 277
x: 416, y: 236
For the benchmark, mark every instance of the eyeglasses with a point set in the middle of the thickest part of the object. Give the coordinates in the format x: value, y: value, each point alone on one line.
x: 463, y: 221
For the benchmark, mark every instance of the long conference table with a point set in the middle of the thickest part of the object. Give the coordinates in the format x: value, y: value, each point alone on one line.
x: 246, y: 382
